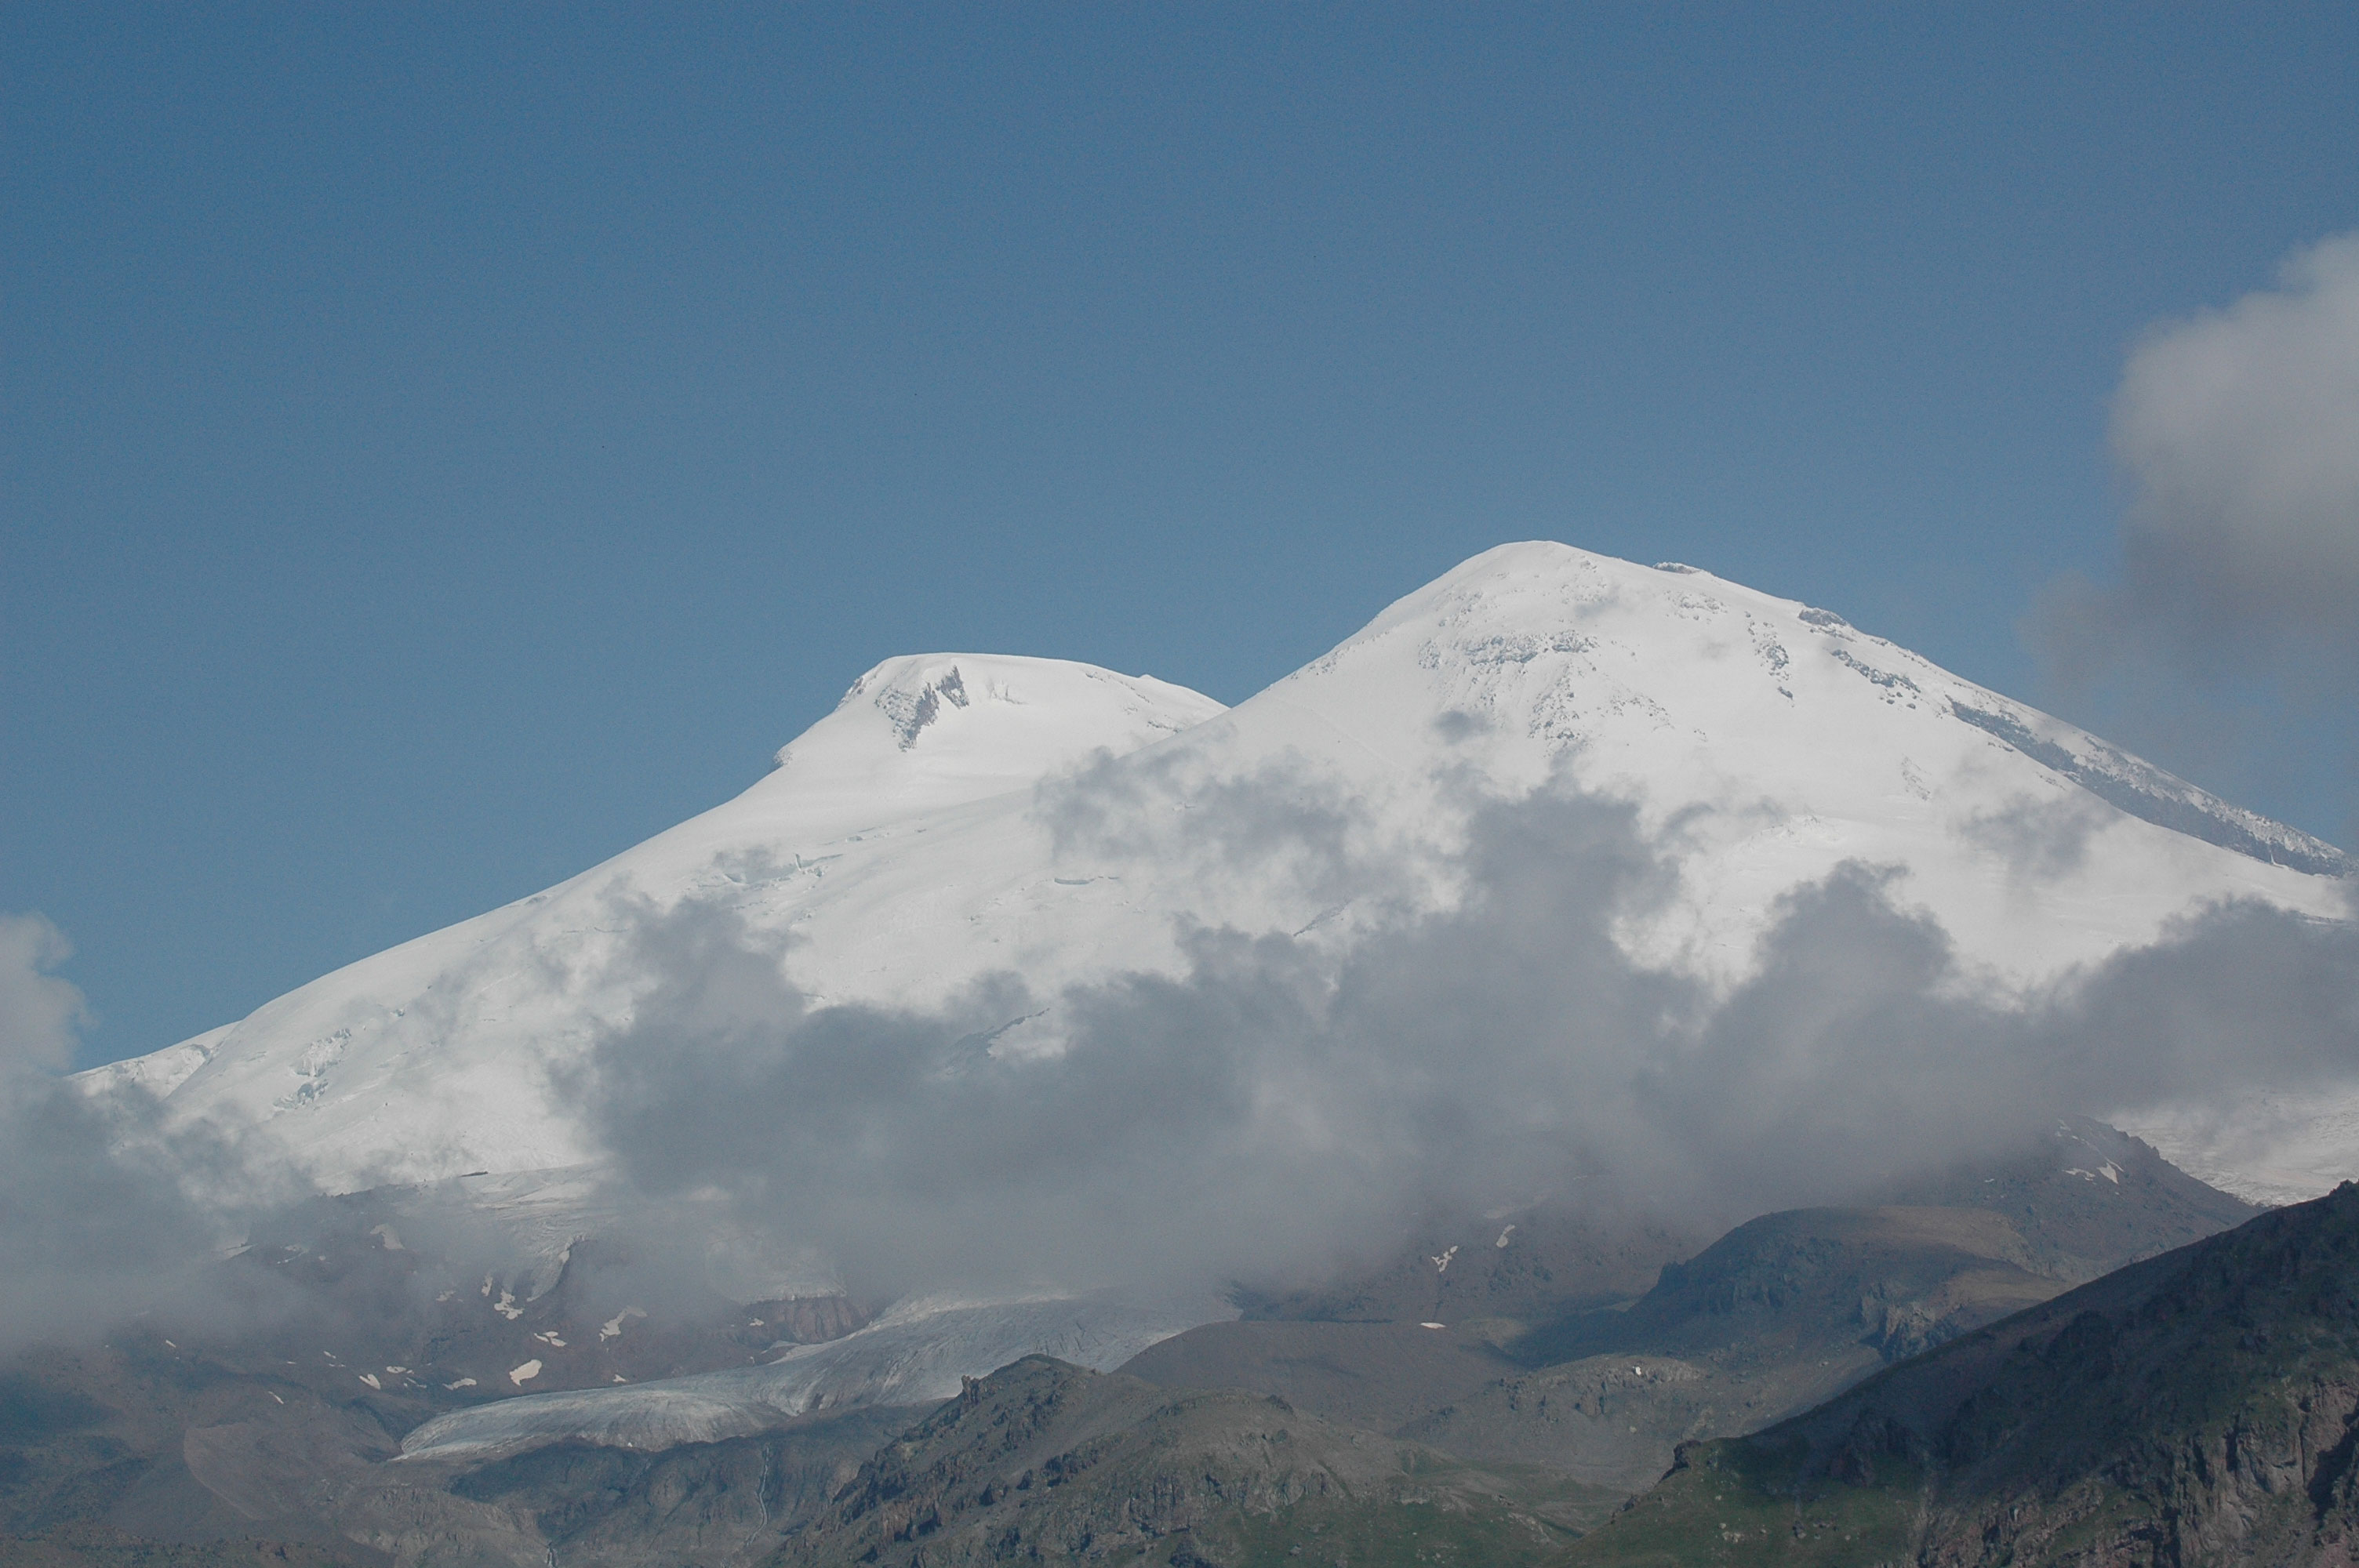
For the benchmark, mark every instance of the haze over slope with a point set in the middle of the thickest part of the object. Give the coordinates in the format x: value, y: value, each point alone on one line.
x: 1644, y: 838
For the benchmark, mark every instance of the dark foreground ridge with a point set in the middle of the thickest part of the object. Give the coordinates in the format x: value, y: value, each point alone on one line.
x: 2199, y: 1408
x: 1047, y: 1462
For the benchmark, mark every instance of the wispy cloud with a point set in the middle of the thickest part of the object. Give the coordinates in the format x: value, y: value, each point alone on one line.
x: 103, y: 1213
x: 39, y: 1010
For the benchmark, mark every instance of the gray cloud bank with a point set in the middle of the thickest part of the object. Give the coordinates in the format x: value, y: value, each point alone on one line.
x: 2240, y: 430
x: 2230, y: 641
x: 1281, y: 1108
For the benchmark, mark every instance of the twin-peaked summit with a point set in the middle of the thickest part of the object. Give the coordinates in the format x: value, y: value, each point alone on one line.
x: 961, y: 816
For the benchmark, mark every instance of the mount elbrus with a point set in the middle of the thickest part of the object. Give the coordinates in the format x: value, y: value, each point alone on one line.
x: 960, y: 816
x: 1075, y: 937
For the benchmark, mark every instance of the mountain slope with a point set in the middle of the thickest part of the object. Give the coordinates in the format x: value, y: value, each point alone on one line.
x: 1782, y: 1311
x: 436, y: 1058
x: 1045, y: 1462
x: 2202, y: 1407
x: 948, y: 823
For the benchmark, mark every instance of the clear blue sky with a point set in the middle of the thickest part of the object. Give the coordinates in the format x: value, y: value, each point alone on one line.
x: 444, y: 446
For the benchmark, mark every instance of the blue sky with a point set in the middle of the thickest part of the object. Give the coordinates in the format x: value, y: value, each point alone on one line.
x: 444, y: 446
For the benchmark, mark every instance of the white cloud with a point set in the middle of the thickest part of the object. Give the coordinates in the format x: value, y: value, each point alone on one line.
x: 39, y: 1012
x: 2238, y: 430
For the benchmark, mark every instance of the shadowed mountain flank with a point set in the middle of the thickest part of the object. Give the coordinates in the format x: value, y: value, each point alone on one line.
x: 2202, y: 1407
x: 1781, y: 1312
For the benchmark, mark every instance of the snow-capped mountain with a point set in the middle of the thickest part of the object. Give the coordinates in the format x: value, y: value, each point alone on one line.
x: 960, y: 816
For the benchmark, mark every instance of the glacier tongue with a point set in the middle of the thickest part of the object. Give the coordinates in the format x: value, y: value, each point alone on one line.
x: 916, y: 1354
